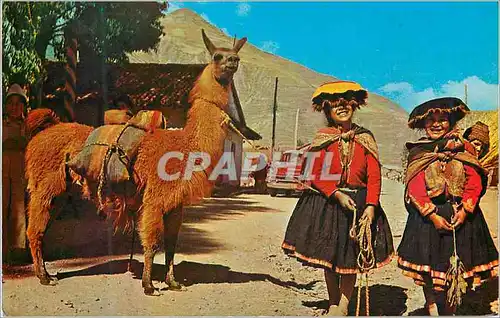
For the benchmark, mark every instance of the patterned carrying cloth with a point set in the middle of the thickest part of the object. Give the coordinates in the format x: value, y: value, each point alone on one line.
x: 118, y: 142
x: 110, y: 150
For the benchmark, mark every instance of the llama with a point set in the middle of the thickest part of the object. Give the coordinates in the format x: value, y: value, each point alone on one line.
x: 160, y: 204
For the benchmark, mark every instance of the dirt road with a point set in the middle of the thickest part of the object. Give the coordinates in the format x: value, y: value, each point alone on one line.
x: 229, y: 259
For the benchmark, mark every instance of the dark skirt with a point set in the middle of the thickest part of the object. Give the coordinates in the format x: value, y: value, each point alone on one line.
x: 318, y: 233
x: 424, y: 252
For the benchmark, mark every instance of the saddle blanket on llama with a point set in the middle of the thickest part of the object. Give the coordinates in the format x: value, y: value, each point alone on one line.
x: 110, y: 150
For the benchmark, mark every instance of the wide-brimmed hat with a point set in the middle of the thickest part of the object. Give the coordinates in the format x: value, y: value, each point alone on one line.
x: 16, y: 89
x: 453, y: 106
x: 337, y: 89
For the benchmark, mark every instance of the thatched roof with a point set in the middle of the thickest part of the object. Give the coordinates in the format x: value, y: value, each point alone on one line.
x: 151, y: 86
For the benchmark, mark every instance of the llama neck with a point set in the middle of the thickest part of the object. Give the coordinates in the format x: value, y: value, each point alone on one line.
x: 204, y: 128
x: 209, y: 89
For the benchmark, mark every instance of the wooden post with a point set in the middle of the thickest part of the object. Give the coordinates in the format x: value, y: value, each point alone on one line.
x: 275, y: 106
x: 295, y: 136
x: 465, y: 88
x: 104, y: 84
x: 70, y: 68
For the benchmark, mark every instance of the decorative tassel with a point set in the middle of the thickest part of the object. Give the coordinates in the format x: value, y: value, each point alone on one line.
x: 458, y: 285
x: 455, y: 277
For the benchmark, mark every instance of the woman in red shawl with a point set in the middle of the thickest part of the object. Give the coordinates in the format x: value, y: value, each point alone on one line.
x: 444, y: 183
x: 346, y: 183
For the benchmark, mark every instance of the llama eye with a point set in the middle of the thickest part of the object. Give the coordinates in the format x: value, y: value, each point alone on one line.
x: 217, y: 57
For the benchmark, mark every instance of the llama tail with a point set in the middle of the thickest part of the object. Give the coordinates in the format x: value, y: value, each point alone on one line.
x: 40, y: 119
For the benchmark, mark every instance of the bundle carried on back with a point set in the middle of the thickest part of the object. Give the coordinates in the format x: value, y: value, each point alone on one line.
x: 117, y: 116
x: 109, y: 151
x: 148, y: 120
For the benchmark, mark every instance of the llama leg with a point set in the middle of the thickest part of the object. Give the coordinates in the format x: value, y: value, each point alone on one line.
x: 171, y: 225
x: 129, y: 266
x: 38, y: 220
x: 150, y: 231
x: 147, y: 281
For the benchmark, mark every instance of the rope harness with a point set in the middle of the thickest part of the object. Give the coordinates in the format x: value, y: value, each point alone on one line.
x: 228, y: 121
x: 111, y: 148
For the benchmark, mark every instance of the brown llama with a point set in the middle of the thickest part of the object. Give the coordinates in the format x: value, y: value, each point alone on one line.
x: 160, y: 203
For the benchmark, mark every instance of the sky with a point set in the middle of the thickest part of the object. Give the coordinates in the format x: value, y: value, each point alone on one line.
x: 409, y: 52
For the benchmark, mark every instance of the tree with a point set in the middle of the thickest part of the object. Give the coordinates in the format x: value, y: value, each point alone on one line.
x: 129, y: 26
x: 28, y: 28
x: 105, y: 31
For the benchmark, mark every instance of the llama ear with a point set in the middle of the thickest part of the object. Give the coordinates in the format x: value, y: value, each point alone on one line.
x: 209, y: 45
x: 237, y: 47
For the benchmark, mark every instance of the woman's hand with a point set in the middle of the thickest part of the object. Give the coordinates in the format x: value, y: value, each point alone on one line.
x: 345, y: 201
x: 440, y: 223
x: 369, y: 213
x: 459, y: 216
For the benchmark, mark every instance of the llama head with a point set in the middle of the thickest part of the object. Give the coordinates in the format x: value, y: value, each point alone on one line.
x: 224, y: 60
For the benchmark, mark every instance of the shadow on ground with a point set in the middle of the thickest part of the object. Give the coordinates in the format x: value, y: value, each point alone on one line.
x: 86, y: 235
x: 385, y: 300
x: 478, y: 302
x: 83, y: 235
x: 187, y: 273
x: 474, y: 302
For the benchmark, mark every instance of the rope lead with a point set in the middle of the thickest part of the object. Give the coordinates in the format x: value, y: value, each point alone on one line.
x: 366, y: 258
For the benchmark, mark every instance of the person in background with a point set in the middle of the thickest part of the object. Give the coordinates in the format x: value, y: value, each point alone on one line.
x: 14, y: 142
x: 260, y: 179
